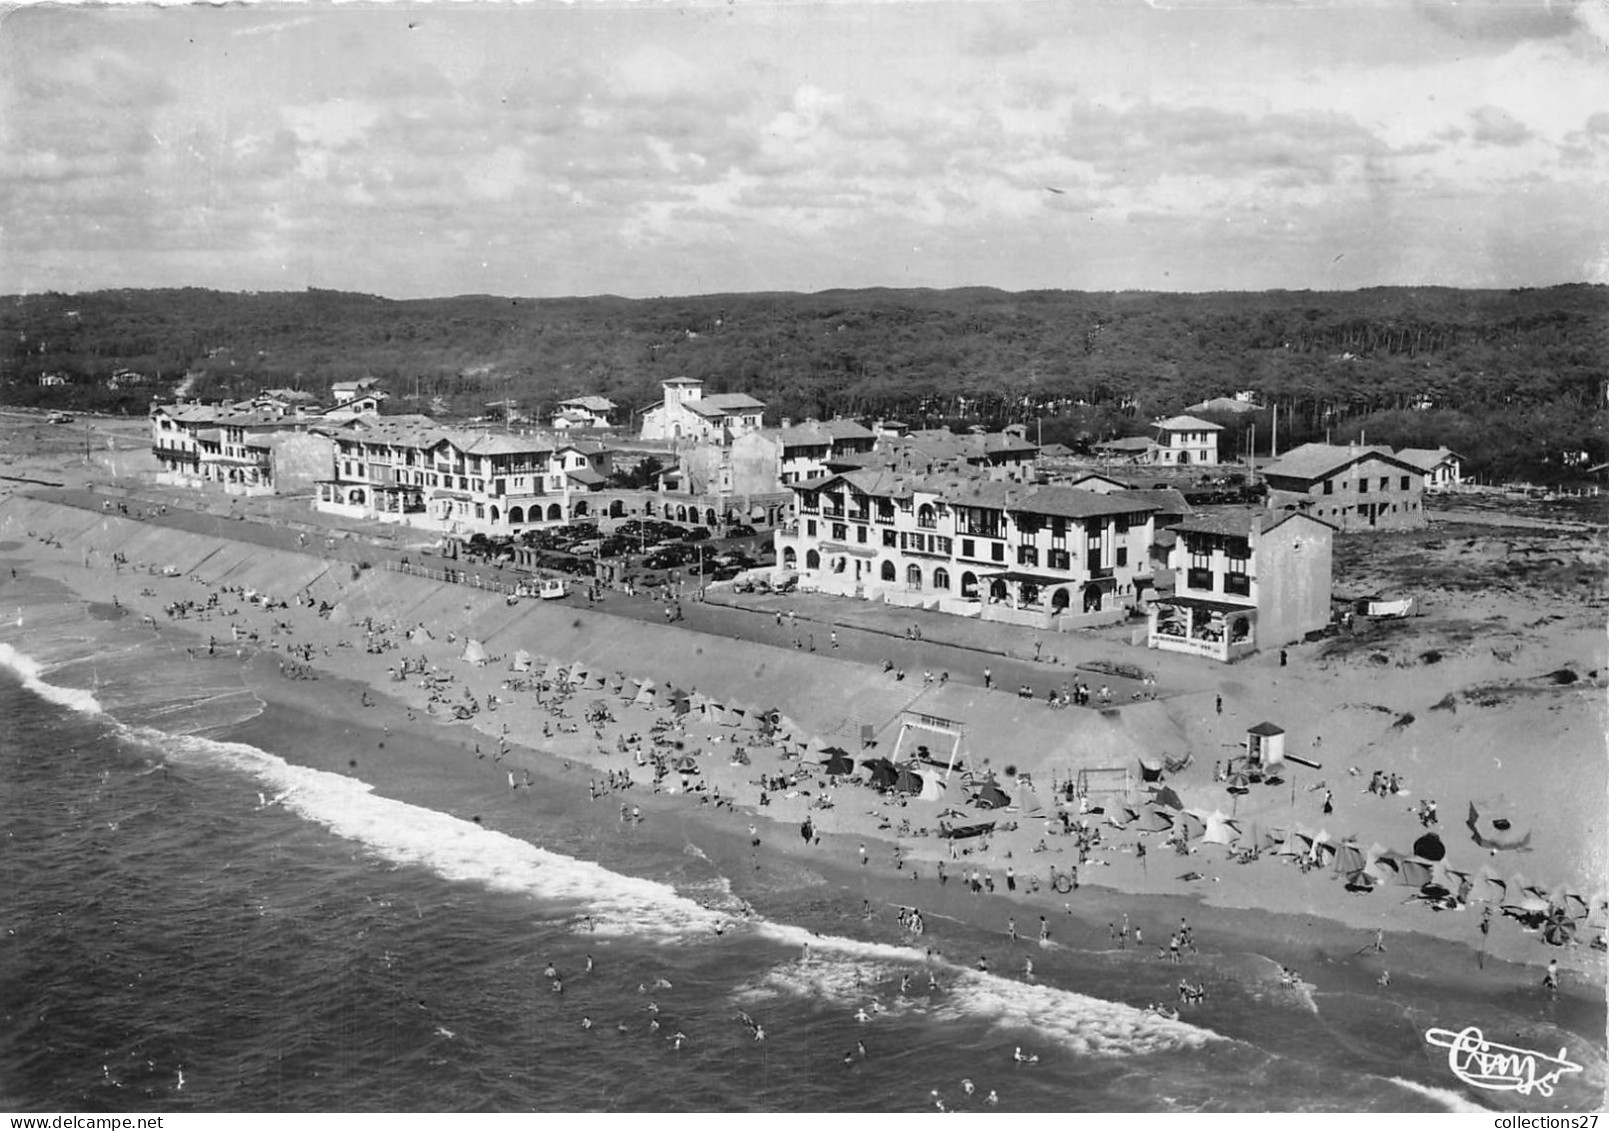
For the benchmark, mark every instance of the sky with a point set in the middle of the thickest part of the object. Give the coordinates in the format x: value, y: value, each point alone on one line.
x: 648, y: 148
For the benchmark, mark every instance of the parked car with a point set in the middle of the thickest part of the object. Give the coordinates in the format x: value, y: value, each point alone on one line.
x: 698, y: 534
x: 741, y: 530
x: 58, y: 418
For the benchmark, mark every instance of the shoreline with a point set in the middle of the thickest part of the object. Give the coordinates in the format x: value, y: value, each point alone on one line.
x: 1305, y: 934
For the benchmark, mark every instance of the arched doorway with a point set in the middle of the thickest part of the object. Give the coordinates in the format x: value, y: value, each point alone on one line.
x: 356, y: 497
x: 913, y: 576
x: 709, y: 516
x: 580, y: 508
x: 681, y: 514
x: 888, y: 573
x: 812, y: 560
x: 969, y: 585
x: 998, y: 590
x: 1184, y: 458
x: 617, y: 509
x: 789, y: 558
x: 941, y: 578
x: 495, y: 513
x: 1060, y: 599
x: 516, y: 516
x: 1239, y: 629
x: 1092, y: 598
x: 555, y: 512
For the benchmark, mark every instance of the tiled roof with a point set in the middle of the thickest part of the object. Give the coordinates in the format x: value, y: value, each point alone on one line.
x: 1062, y: 502
x: 590, y: 403
x: 1317, y: 461
x: 1188, y: 424
x: 1427, y: 458
x: 819, y: 432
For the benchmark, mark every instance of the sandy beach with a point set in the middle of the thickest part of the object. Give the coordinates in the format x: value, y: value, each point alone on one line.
x: 1530, y: 742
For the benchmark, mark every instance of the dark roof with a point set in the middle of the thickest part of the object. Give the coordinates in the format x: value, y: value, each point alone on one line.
x: 1239, y: 521
x: 1165, y: 499
x: 818, y: 432
x: 1127, y: 444
x: 1265, y: 729
x: 1060, y: 502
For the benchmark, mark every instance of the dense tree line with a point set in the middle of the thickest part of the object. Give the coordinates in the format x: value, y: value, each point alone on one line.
x: 1516, y: 375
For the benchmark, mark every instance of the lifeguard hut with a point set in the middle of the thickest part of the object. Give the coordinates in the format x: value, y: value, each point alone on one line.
x: 1265, y: 746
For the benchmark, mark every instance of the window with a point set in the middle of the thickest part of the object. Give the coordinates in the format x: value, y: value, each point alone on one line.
x: 885, y: 510
x: 913, y: 577
x: 1329, y: 486
x: 926, y: 517
x: 943, y: 545
x: 1027, y: 555
x: 890, y: 539
x: 860, y: 535
x: 810, y: 527
x: 1122, y: 555
x: 1059, y: 559
x: 1404, y: 483
x: 941, y: 578
x: 1363, y: 486
x: 809, y: 502
x: 840, y: 531
x: 969, y: 548
x: 997, y: 551
x: 1120, y: 524
x: 1385, y: 483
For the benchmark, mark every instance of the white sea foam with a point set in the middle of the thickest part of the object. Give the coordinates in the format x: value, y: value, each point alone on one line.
x: 31, y: 672
x: 1451, y: 1100
x: 455, y: 849
x: 848, y: 972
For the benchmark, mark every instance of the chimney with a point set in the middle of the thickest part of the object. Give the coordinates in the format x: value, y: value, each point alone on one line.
x: 787, y: 422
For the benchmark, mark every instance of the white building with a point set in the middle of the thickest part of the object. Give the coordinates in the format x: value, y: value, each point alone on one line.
x: 1444, y: 468
x: 457, y: 482
x: 687, y: 414
x: 584, y: 412
x: 1183, y: 440
x: 1045, y: 557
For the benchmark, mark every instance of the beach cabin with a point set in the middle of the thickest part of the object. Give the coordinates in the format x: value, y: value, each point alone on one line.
x: 1265, y: 745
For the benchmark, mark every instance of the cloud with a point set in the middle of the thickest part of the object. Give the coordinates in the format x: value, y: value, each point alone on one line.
x: 1495, y: 126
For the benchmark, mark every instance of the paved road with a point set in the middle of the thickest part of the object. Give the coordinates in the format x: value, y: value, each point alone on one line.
x: 812, y: 625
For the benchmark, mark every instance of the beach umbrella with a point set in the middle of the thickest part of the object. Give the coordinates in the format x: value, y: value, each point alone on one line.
x: 686, y: 764
x: 1495, y: 827
x: 1360, y: 881
x: 839, y: 764
x: 1121, y: 815
x: 1429, y: 847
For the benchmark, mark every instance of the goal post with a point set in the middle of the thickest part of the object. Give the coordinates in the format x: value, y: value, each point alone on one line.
x: 930, y: 739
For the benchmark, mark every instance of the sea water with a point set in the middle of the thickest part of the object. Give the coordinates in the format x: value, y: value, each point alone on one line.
x: 195, y: 923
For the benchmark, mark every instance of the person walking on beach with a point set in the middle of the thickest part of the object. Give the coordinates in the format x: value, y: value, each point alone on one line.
x: 834, y: 637
x: 988, y: 679
x: 1550, y: 980
x: 1044, y: 930
x: 1011, y: 879
x: 1220, y: 704
x: 864, y: 860
x: 1329, y: 802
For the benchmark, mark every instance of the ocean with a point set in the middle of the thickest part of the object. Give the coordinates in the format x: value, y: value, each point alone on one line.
x: 192, y: 922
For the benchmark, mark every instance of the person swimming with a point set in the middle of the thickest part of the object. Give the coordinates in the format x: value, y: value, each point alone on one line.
x: 1024, y: 1058
x: 968, y: 1087
x: 677, y: 1039
x: 862, y: 1016
x: 551, y: 971
x: 586, y: 1023
x: 992, y: 1098
x: 589, y: 964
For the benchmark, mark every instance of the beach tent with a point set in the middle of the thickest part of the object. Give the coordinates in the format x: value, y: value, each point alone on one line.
x: 1298, y: 842
x: 1275, y: 837
x: 645, y: 694
x: 882, y: 771
x: 1488, y: 885
x: 521, y: 661
x: 1496, y: 827
x: 1413, y: 872
x: 474, y: 652
x: 838, y: 762
x: 933, y: 788
x: 617, y: 684
x: 1519, y: 886
x: 990, y: 796
x: 1120, y: 816
x: 1166, y: 795
x: 1154, y: 819
x: 598, y: 681
x: 1349, y: 857
x: 907, y: 780
x: 417, y: 634
x: 1316, y: 846
x: 1221, y: 828
x: 553, y: 673
x: 578, y: 673
x: 1192, y: 821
